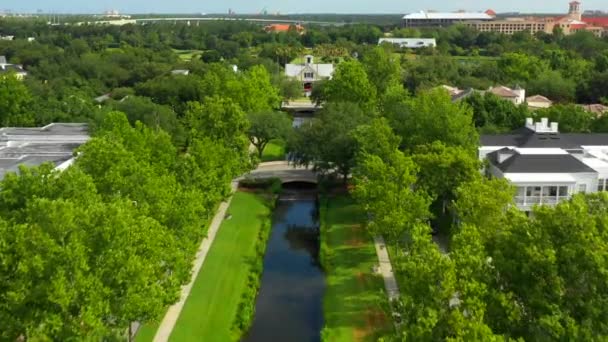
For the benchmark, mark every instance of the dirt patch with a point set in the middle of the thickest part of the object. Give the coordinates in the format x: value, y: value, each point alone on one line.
x: 355, y: 242
x: 362, y: 279
x: 375, y: 320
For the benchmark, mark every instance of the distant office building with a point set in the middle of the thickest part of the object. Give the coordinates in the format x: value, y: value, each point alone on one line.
x: 410, y: 43
x: 442, y: 19
x: 570, y: 23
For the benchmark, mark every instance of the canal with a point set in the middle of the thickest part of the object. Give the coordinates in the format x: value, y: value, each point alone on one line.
x: 289, y: 306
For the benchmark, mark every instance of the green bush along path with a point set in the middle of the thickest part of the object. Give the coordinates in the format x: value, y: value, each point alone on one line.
x: 210, y: 310
x: 355, y: 302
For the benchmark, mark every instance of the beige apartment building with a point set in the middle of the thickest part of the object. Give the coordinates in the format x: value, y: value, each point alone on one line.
x: 487, y: 22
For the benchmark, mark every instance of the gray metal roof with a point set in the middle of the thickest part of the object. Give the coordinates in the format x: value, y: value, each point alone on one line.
x: 527, y: 138
x: 543, y: 163
x: 54, y: 143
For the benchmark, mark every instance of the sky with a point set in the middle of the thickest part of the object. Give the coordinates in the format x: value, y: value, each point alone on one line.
x: 292, y: 6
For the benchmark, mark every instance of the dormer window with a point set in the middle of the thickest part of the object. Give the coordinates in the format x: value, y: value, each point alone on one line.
x: 309, y: 75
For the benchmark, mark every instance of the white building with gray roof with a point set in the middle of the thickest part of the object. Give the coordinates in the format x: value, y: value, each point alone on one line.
x: 54, y: 143
x: 547, y: 166
x: 6, y: 68
x: 309, y: 72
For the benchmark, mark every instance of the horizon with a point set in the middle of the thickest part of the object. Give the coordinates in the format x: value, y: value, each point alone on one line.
x: 290, y: 7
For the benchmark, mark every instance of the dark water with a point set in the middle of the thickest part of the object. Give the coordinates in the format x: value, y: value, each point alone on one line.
x: 289, y: 305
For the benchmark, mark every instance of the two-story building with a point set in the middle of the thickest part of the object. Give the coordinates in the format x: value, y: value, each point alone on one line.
x: 309, y: 72
x: 547, y: 166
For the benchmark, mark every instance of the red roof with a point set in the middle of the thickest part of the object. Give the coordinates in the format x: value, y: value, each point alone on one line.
x: 491, y: 13
x: 596, y: 21
x: 577, y: 26
x: 283, y: 27
x: 575, y: 3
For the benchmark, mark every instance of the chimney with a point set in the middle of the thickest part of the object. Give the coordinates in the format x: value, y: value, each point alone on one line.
x: 545, y: 123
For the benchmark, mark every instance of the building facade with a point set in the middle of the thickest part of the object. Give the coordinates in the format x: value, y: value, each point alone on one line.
x: 546, y: 166
x: 309, y: 73
x: 409, y: 43
x: 442, y: 19
x: 570, y: 23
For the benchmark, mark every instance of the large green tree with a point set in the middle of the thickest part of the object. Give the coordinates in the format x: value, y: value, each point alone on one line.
x: 266, y: 126
x: 328, y: 142
x: 350, y: 83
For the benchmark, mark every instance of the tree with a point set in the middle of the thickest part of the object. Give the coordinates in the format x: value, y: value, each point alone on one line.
x: 518, y: 67
x: 384, y: 180
x: 290, y: 88
x: 571, y: 118
x: 493, y: 114
x: 381, y: 68
x: 442, y: 170
x: 328, y: 143
x: 554, y: 86
x: 350, y: 84
x: 266, y: 126
x: 431, y: 116
x: 14, y: 101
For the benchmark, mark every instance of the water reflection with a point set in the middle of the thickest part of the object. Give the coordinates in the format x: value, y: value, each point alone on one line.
x: 289, y: 305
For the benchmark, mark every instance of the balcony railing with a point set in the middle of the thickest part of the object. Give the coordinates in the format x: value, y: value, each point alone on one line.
x: 545, y: 200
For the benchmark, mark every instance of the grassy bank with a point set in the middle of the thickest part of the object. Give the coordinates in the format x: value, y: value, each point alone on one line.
x: 211, y: 308
x: 275, y: 150
x: 355, y: 298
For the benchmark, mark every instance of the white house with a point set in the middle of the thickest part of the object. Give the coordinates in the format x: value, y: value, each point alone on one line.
x: 309, y: 72
x: 410, y: 43
x: 546, y: 166
x: 6, y: 68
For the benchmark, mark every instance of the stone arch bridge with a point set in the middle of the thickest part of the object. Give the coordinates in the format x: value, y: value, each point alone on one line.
x: 282, y: 170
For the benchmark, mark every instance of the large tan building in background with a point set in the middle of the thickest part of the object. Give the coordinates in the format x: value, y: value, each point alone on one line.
x: 487, y: 22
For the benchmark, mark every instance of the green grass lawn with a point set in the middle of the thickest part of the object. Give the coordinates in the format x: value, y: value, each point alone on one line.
x: 275, y: 150
x: 147, y: 332
x: 186, y: 55
x: 355, y: 300
x: 210, y: 309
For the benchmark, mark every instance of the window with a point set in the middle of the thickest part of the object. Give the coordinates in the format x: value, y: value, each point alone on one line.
x: 309, y: 75
x: 563, y: 191
x: 601, y: 185
x: 582, y: 188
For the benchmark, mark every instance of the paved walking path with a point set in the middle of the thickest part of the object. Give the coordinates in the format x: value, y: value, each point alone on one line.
x: 168, y: 323
x: 385, y: 269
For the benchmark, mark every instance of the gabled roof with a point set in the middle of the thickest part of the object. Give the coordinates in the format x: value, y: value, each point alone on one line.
x: 322, y: 70
x: 596, y: 108
x: 538, y: 163
x: 503, y: 91
x: 538, y: 98
x: 596, y: 21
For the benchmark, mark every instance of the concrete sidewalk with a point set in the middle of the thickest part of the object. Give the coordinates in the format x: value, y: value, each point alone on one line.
x: 385, y: 269
x: 168, y: 323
